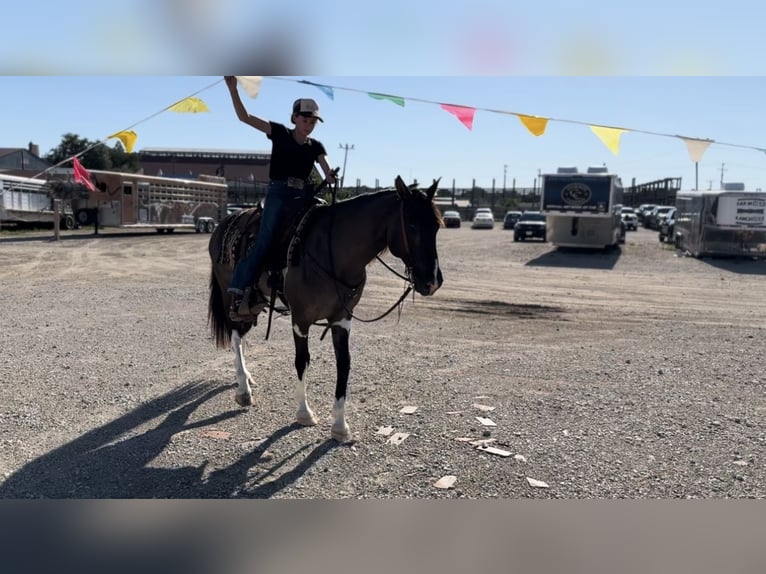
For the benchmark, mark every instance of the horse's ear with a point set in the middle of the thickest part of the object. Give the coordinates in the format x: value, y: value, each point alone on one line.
x: 401, y: 187
x: 432, y: 190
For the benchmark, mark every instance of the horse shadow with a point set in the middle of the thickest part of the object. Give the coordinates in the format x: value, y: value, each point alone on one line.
x: 101, y: 464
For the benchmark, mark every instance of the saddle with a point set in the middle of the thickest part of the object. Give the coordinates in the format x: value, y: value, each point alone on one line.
x: 246, y: 230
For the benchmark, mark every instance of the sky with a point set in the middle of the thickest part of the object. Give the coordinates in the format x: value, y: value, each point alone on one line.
x: 420, y: 140
x: 92, y: 68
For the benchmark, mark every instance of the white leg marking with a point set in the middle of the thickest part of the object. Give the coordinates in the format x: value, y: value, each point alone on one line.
x: 343, y: 324
x: 304, y: 415
x: 435, y: 282
x: 340, y: 430
x: 297, y: 331
x: 244, y: 395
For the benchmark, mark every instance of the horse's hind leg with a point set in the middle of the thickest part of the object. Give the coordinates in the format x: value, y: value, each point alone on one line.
x: 244, y: 395
x: 304, y: 415
x: 340, y: 335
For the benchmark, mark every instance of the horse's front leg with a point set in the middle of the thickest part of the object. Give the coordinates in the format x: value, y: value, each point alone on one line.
x: 244, y: 395
x: 340, y: 335
x: 304, y: 415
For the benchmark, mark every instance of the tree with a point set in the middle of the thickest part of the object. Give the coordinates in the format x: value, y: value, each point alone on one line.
x: 100, y: 157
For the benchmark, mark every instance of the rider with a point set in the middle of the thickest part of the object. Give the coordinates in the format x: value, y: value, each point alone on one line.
x: 293, y: 154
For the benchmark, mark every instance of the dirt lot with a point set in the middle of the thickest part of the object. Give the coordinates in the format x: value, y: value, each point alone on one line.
x: 635, y: 374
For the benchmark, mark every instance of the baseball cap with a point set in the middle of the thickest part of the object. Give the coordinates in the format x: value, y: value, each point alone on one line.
x: 307, y: 107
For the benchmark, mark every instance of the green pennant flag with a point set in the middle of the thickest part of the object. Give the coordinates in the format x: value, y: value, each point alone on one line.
x: 396, y: 99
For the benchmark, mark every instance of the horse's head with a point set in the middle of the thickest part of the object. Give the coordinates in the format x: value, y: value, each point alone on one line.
x: 415, y: 240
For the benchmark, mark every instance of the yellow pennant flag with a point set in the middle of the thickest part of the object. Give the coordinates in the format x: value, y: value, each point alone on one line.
x: 534, y: 124
x: 251, y: 84
x: 696, y: 147
x: 610, y: 137
x: 189, y: 105
x: 127, y: 137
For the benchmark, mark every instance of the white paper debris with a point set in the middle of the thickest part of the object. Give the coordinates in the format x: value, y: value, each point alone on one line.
x: 445, y: 481
x: 520, y: 458
x: 485, y: 408
x: 486, y: 422
x: 385, y: 431
x: 398, y: 438
x: 408, y: 410
x: 493, y: 450
x: 537, y: 483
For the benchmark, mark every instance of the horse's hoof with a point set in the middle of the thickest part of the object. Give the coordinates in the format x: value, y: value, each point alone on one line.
x: 245, y: 400
x: 306, y: 419
x: 342, y: 435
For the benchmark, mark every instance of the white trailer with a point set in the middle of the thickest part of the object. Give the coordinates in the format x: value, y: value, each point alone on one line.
x: 729, y: 221
x: 28, y: 201
x: 583, y: 209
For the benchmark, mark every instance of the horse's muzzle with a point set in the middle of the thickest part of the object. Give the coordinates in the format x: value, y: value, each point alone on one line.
x: 430, y: 286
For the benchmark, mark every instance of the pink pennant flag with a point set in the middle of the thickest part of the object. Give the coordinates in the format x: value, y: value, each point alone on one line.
x: 463, y: 113
x: 81, y: 175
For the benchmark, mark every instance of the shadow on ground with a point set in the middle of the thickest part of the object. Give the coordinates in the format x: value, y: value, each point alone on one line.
x: 579, y: 258
x: 109, y: 462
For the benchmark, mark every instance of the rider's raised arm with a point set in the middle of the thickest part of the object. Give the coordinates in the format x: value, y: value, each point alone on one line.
x: 242, y: 113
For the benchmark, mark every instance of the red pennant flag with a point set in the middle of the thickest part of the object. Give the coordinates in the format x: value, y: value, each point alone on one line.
x: 81, y: 175
x: 464, y: 114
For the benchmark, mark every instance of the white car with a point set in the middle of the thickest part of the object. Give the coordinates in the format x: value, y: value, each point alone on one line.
x: 629, y: 218
x: 483, y: 220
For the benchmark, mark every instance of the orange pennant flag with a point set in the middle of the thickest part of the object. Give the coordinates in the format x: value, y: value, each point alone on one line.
x: 463, y: 113
x: 609, y: 136
x: 534, y: 124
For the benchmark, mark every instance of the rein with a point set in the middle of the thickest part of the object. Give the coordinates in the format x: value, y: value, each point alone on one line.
x: 338, y: 283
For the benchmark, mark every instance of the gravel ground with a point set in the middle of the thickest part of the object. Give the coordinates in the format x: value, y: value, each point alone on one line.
x: 636, y: 374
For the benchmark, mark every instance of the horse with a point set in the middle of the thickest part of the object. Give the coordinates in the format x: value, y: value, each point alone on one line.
x: 324, y: 275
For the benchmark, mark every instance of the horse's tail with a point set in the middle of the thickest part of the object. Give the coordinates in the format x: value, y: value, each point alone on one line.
x: 217, y: 317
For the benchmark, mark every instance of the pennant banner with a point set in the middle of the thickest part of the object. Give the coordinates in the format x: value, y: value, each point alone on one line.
x: 396, y: 99
x: 535, y: 125
x: 251, y: 84
x: 189, y: 105
x: 609, y: 136
x: 81, y: 174
x: 463, y: 113
x: 696, y: 147
x: 127, y: 137
x: 326, y: 90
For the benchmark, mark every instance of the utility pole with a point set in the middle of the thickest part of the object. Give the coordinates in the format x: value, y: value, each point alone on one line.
x: 345, y: 157
x: 505, y: 173
x: 723, y: 169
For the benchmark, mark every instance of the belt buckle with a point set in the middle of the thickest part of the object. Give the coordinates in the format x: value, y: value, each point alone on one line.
x: 295, y: 182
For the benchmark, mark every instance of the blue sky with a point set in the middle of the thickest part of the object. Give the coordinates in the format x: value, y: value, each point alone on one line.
x: 420, y: 140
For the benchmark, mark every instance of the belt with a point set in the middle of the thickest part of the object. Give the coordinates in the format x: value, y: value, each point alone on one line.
x: 294, y: 182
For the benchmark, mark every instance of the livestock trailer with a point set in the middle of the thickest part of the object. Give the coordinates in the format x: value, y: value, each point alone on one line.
x: 583, y: 209
x: 728, y: 221
x: 136, y: 201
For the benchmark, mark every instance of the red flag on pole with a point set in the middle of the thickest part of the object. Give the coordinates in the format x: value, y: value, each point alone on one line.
x: 81, y: 175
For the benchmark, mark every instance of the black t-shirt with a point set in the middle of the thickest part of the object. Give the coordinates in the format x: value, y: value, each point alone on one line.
x: 288, y: 157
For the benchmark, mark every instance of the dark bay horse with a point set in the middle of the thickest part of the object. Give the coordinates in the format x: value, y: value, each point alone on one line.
x: 325, y: 274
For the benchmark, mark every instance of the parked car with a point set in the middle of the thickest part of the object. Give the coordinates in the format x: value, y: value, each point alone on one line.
x: 510, y: 219
x: 530, y: 225
x: 451, y: 219
x: 643, y: 209
x: 629, y: 218
x: 652, y: 219
x: 667, y: 227
x: 483, y: 220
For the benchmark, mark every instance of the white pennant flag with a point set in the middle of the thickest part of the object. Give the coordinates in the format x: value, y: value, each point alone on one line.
x: 251, y: 84
x: 696, y: 147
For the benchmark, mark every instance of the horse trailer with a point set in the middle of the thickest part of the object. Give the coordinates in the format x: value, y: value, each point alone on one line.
x: 138, y: 201
x: 583, y: 209
x: 729, y: 221
x: 27, y: 201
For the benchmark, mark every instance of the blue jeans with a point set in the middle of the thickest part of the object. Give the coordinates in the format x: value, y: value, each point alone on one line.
x: 278, y: 198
